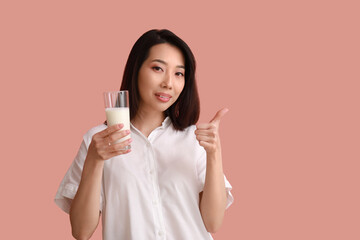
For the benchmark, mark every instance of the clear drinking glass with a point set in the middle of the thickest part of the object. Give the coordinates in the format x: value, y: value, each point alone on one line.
x: 117, y: 111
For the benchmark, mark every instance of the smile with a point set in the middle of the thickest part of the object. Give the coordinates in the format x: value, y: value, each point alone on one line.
x: 163, y: 97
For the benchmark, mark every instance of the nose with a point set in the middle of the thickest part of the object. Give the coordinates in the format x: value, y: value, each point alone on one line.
x: 167, y: 81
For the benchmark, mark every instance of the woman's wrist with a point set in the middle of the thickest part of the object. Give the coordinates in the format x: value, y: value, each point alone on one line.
x: 214, y: 156
x: 93, y: 165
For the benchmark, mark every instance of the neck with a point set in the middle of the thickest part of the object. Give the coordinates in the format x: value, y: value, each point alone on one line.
x: 147, y: 121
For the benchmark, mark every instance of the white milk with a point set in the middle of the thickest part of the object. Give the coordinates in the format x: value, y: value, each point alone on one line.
x: 117, y: 116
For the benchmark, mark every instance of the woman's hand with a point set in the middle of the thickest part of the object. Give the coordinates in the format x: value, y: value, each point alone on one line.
x: 84, y: 212
x: 208, y: 133
x: 103, y: 146
x: 212, y: 199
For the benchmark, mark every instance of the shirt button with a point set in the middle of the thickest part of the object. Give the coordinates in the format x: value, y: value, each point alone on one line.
x: 160, y: 233
x: 154, y: 202
x: 151, y: 172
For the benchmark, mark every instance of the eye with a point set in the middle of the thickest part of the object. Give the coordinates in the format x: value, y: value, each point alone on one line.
x: 157, y: 69
x: 180, y: 74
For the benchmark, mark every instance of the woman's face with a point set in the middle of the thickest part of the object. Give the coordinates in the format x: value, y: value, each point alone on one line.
x: 161, y: 78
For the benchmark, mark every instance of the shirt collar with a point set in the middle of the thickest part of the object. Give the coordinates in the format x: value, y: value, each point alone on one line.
x: 166, y: 122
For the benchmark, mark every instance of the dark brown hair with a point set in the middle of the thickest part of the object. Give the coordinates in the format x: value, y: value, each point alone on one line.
x: 186, y: 110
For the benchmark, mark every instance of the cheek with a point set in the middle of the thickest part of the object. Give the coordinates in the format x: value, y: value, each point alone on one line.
x: 143, y: 83
x: 180, y: 86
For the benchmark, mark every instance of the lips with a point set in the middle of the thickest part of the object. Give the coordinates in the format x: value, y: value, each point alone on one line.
x: 163, y: 96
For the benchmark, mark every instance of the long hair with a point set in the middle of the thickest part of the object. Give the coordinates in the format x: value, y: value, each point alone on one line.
x: 186, y: 110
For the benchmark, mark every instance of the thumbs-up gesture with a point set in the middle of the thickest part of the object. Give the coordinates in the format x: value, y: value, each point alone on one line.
x: 208, y: 133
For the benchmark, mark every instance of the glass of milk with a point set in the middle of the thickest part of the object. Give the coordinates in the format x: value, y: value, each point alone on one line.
x: 117, y: 110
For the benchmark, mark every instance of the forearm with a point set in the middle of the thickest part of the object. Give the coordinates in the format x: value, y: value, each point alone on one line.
x: 84, y: 213
x: 213, y: 202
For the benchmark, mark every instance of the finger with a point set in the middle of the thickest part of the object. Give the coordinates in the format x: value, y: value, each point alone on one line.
x: 120, y: 152
x: 114, y: 136
x: 204, y: 138
x: 110, y: 129
x: 118, y: 147
x: 205, y: 144
x: 219, y: 115
x: 206, y: 132
x: 205, y: 126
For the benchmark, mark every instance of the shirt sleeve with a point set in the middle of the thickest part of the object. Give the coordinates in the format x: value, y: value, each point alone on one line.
x: 201, y: 170
x: 70, y: 183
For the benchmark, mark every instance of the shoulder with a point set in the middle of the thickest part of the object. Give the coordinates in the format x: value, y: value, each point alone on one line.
x: 186, y: 137
x: 189, y: 130
x: 192, y: 143
x: 186, y: 132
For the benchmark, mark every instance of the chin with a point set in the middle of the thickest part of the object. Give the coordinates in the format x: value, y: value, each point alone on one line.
x: 158, y: 108
x: 165, y: 107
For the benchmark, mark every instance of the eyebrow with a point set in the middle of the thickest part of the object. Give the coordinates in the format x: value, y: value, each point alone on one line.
x: 165, y: 63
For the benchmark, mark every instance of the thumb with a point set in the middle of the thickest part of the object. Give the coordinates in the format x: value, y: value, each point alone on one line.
x: 219, y: 115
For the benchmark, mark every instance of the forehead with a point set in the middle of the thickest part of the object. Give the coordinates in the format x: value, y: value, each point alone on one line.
x: 166, y: 52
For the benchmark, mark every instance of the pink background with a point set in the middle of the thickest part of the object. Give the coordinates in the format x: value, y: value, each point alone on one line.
x: 287, y: 70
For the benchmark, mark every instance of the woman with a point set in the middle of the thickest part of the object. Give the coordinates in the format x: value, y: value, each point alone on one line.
x: 170, y: 185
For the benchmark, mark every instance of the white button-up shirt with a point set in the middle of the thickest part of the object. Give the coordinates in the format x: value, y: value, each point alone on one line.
x: 151, y: 192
